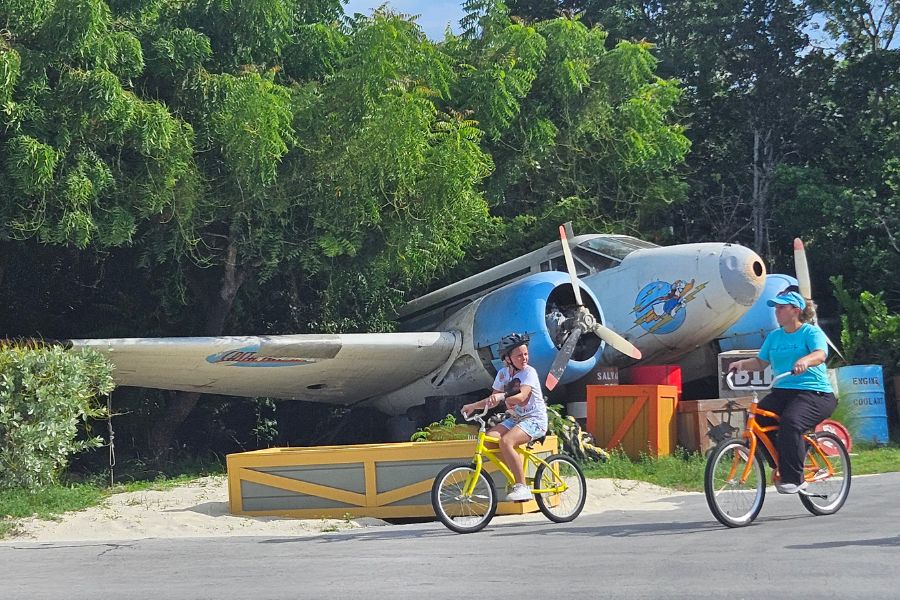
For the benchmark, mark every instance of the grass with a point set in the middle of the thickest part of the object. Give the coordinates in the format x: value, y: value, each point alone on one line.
x: 868, y: 459
x: 682, y: 471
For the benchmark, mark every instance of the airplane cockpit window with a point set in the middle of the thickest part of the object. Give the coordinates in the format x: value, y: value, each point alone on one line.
x: 597, y: 254
x: 615, y: 246
x: 597, y: 261
x: 559, y: 264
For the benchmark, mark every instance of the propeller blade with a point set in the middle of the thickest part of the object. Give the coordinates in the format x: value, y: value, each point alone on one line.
x: 562, y: 359
x: 570, y: 264
x: 802, y: 269
x: 617, y: 341
x: 835, y: 348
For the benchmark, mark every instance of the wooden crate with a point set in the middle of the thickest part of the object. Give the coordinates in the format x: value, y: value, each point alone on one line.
x: 638, y: 418
x: 701, y: 422
x: 363, y: 480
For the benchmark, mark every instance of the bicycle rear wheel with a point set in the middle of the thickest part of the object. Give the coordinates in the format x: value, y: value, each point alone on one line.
x: 733, y: 502
x: 565, y: 504
x: 458, y: 511
x: 827, y: 489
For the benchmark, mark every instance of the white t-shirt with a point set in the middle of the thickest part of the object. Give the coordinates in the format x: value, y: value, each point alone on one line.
x: 535, y: 407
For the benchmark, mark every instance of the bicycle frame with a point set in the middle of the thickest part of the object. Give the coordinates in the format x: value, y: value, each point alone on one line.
x: 482, y: 451
x: 754, y: 433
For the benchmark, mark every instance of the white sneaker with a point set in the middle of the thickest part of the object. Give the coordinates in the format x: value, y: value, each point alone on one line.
x: 519, y: 493
x: 790, y: 488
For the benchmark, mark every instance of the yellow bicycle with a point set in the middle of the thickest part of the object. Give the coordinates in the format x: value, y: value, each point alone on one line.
x: 464, y: 496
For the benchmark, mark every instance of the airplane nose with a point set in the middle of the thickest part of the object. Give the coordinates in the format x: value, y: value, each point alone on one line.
x: 743, y: 274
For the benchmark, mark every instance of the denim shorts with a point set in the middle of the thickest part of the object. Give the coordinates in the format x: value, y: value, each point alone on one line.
x: 533, y: 426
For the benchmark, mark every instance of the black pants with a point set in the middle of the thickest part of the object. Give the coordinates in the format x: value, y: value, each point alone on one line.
x: 800, y: 410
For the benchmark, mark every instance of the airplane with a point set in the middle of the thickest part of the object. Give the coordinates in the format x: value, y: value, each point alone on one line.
x: 585, y: 301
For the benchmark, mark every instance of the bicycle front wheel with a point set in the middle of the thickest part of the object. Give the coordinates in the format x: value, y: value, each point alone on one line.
x: 563, y: 476
x: 734, y: 500
x: 828, y: 484
x: 457, y: 510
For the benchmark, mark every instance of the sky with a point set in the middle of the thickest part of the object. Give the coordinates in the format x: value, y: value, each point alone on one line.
x: 434, y: 17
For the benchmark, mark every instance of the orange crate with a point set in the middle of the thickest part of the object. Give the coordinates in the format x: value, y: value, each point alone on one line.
x: 639, y: 418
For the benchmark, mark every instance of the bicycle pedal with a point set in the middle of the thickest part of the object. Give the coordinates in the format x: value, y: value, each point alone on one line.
x: 813, y: 495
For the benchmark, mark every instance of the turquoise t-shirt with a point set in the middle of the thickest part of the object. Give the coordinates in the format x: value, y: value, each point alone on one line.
x: 782, y: 349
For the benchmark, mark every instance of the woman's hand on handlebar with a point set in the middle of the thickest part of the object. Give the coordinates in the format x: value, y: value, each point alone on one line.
x: 800, y: 366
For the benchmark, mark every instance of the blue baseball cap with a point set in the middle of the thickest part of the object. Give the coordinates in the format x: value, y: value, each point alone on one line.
x: 792, y: 298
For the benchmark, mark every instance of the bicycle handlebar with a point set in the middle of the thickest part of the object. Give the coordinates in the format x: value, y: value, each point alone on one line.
x: 729, y: 380
x: 476, y: 416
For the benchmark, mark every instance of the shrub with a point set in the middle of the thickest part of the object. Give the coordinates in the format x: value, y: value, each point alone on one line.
x: 870, y: 332
x: 47, y: 395
x: 443, y: 430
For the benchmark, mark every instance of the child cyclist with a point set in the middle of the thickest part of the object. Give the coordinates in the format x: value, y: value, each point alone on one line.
x: 517, y: 384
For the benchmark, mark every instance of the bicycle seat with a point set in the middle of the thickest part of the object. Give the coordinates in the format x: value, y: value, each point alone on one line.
x: 539, y: 440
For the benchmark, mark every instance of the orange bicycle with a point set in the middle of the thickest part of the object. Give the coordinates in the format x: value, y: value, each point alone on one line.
x: 735, y: 477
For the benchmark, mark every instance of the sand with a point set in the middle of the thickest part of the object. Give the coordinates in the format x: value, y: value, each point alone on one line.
x: 200, y: 509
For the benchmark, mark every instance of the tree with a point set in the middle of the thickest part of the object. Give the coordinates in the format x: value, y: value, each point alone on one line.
x: 350, y: 182
x: 577, y: 131
x: 86, y: 159
x: 848, y: 188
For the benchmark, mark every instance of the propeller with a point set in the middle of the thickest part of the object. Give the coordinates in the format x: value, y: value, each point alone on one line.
x: 583, y: 321
x: 801, y: 268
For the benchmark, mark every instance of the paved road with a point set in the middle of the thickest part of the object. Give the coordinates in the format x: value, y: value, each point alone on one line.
x: 681, y: 553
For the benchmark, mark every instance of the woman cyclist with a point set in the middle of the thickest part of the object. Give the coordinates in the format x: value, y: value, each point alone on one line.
x: 517, y: 384
x: 802, y: 401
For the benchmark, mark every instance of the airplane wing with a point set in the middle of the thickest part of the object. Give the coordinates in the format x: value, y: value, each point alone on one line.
x: 338, y: 369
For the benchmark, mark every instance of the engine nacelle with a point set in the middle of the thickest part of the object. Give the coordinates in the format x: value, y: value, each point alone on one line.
x: 521, y: 306
x: 524, y: 306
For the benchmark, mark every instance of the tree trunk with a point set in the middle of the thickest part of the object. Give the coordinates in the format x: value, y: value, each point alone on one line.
x: 180, y: 404
x: 763, y: 172
x: 159, y: 441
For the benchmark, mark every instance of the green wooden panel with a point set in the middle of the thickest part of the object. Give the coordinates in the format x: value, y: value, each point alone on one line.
x: 255, y: 496
x: 350, y: 477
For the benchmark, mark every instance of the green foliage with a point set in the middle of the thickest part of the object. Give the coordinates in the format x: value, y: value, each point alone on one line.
x: 443, y: 430
x: 870, y: 332
x: 576, y: 131
x: 10, y: 65
x: 46, y: 395
x: 556, y: 422
x: 32, y: 163
x: 251, y: 124
x: 89, y: 159
x: 177, y: 51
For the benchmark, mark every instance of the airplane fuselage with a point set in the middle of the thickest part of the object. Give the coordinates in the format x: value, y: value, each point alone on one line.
x: 667, y: 301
